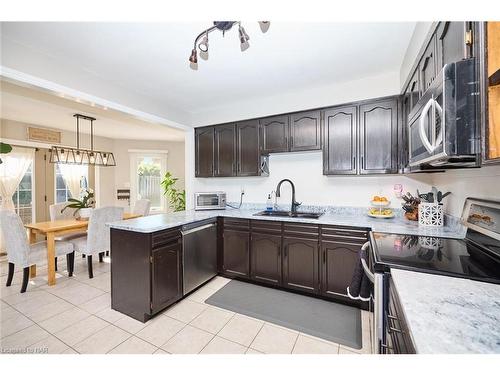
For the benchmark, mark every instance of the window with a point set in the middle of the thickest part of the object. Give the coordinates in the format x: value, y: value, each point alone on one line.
x: 23, y: 197
x: 147, y: 171
x: 62, y: 191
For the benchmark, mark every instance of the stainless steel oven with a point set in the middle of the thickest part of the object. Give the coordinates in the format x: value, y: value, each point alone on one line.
x: 443, y: 127
x: 210, y: 201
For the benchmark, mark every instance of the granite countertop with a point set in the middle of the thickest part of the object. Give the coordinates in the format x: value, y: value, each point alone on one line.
x: 449, y: 315
x: 348, y: 216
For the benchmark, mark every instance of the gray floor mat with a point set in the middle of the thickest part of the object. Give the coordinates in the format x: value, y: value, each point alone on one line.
x: 327, y: 320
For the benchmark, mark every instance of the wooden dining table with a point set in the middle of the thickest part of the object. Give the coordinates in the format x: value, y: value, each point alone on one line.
x: 52, y: 229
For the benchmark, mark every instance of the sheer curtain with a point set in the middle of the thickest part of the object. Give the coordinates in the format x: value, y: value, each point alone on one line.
x: 14, y: 166
x: 72, y: 175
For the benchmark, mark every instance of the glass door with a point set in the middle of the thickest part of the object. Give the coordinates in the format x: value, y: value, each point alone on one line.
x: 147, y: 171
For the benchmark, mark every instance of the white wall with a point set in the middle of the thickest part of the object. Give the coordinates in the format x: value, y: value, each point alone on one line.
x: 315, y: 97
x: 312, y: 187
x: 417, y: 40
x: 478, y: 183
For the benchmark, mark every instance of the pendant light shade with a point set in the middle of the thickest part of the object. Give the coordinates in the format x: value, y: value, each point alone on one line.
x: 81, y: 156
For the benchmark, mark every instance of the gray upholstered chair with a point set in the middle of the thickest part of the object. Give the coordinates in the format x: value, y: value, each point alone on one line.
x: 20, y: 253
x: 142, y: 207
x: 97, y: 240
x: 57, y: 212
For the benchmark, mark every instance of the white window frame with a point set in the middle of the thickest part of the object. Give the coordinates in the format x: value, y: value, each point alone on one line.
x: 135, y: 155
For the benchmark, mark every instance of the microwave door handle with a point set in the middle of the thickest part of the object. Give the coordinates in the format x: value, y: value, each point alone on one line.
x: 423, y: 136
x: 439, y: 137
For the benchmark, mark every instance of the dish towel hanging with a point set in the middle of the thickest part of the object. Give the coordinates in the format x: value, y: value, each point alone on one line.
x: 361, y: 288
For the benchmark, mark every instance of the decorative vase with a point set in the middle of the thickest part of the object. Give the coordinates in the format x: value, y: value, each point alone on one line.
x: 85, y: 213
x: 430, y: 215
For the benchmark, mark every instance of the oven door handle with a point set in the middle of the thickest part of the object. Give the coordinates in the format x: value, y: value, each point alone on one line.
x: 368, y: 273
x: 423, y: 137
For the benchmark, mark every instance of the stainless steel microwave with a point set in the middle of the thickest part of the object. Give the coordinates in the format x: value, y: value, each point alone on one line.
x: 443, y: 128
x: 210, y: 201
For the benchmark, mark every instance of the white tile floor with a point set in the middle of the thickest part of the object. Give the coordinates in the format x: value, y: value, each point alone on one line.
x: 75, y: 317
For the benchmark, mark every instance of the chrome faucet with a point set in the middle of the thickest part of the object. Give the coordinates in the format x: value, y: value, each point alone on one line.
x: 295, y: 204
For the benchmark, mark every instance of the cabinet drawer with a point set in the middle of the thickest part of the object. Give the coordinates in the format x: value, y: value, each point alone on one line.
x: 301, y: 230
x: 266, y: 226
x: 165, y: 237
x: 236, y: 224
x: 331, y: 232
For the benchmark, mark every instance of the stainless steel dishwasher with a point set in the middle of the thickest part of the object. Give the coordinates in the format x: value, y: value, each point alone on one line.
x: 199, y: 257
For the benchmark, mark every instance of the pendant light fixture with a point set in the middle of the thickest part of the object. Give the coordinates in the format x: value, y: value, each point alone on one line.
x: 82, y: 156
x: 221, y: 26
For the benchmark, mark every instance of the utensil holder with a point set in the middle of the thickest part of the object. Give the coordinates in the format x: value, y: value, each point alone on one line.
x: 430, y: 215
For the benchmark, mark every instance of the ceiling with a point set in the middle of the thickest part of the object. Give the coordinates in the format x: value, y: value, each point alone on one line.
x: 151, y: 59
x: 34, y: 107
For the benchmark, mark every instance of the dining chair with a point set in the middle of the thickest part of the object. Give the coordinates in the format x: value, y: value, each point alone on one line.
x: 142, y: 207
x: 57, y: 212
x: 20, y: 253
x: 97, y: 240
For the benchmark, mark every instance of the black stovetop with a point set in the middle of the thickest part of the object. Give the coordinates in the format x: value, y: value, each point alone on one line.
x: 476, y: 257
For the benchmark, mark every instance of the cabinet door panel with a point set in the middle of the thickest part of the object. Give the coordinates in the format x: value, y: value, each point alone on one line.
x: 451, y: 43
x: 340, y: 141
x: 305, y: 131
x: 427, y: 66
x: 204, y: 152
x: 378, y: 137
x: 266, y: 258
x: 338, y: 264
x: 166, y: 271
x: 300, y: 264
x: 275, y: 134
x: 248, y: 148
x: 236, y: 255
x: 225, y: 151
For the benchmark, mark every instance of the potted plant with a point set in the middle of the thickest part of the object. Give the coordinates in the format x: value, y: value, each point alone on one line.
x: 84, y: 205
x: 176, y: 198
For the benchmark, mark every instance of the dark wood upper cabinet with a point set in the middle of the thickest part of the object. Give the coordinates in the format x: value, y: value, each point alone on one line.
x: 300, y: 264
x: 225, y: 150
x: 166, y: 275
x: 451, y: 46
x: 248, y: 148
x: 339, y: 261
x: 305, y: 131
x: 204, y: 152
x: 428, y: 65
x: 266, y: 258
x: 378, y: 133
x: 275, y: 134
x: 340, y: 140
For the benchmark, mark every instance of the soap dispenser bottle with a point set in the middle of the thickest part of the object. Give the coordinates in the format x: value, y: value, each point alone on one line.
x: 269, y: 203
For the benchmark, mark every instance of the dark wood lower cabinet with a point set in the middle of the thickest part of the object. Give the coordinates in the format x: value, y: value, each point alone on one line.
x: 146, y: 271
x: 339, y: 260
x: 266, y: 258
x: 236, y: 253
x: 300, y: 264
x: 166, y: 275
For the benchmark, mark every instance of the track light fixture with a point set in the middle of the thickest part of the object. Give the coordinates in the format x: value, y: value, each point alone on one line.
x: 221, y: 26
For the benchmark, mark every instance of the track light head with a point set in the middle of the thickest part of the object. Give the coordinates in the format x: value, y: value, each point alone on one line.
x: 264, y: 26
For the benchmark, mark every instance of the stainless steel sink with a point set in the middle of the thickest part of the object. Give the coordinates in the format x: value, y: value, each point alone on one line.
x: 298, y: 214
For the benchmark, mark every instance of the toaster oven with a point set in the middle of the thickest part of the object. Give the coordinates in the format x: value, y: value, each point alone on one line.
x: 210, y: 201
